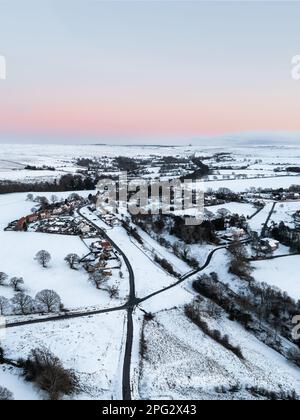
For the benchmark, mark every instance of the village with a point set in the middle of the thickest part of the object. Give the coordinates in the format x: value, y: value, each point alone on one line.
x: 62, y: 219
x: 104, y: 259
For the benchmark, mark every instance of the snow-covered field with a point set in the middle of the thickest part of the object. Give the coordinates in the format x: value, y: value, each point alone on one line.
x: 257, y: 223
x: 284, y: 213
x: 148, y: 276
x: 92, y: 346
x: 17, y: 259
x: 10, y: 379
x: 282, y: 273
x: 243, y: 209
x: 257, y: 160
x: 241, y: 185
x: 183, y: 363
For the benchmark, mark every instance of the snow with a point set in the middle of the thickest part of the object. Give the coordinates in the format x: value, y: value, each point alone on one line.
x: 148, y: 276
x: 183, y: 363
x: 177, y: 296
x: 256, y: 224
x: 72, y: 285
x: 242, y: 185
x: 281, y: 272
x: 63, y: 158
x: 92, y: 346
x: 151, y: 244
x: 17, y: 259
x: 243, y: 209
x: 10, y: 379
x: 284, y: 212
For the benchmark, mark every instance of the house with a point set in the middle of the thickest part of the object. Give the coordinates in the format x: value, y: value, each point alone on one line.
x: 85, y: 228
x: 32, y: 218
x: 106, y: 245
x: 92, y: 267
x: 21, y: 224
x: 270, y: 244
x: 57, y: 211
x: 44, y: 215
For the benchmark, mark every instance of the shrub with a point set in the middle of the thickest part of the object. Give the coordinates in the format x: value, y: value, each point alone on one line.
x: 294, y: 356
x: 47, y: 371
x: 166, y: 266
x: 192, y: 313
x: 273, y: 395
x: 5, y: 394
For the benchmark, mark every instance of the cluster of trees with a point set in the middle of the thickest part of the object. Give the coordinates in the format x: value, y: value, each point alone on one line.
x: 175, y: 225
x: 85, y: 162
x: 239, y: 263
x: 44, y: 201
x: 259, y: 392
x: 132, y: 231
x: 15, y: 282
x: 201, y: 171
x: 155, y: 226
x: 273, y: 395
x: 67, y: 182
x: 126, y: 164
x: 44, y: 257
x: 183, y: 252
x: 46, y: 371
x: 286, y: 236
x: 166, y: 266
x: 39, y: 168
x: 22, y: 304
x: 265, y: 310
x: 198, y: 234
x: 98, y: 279
x: 192, y: 312
x: 295, y: 169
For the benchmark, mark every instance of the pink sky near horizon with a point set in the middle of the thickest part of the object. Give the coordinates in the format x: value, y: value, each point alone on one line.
x: 134, y: 117
x: 148, y: 68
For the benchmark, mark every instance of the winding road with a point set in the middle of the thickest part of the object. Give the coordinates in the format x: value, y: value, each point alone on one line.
x: 130, y: 306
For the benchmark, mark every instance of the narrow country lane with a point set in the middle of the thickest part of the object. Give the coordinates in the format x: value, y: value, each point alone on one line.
x: 129, y: 307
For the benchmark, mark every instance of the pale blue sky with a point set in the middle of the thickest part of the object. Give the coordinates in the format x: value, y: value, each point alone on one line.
x: 152, y: 68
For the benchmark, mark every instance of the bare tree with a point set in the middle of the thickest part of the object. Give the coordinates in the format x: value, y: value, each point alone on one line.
x: 42, y: 200
x: 53, y: 198
x: 4, y: 305
x: 23, y: 304
x: 43, y: 257
x: 72, y: 260
x: 47, y: 371
x: 30, y: 197
x: 3, y: 278
x: 5, y: 394
x: 49, y: 300
x: 113, y: 292
x: 16, y: 283
x: 97, y: 279
x: 239, y: 264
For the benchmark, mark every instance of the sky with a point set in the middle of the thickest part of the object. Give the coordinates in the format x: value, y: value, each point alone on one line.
x: 95, y: 71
